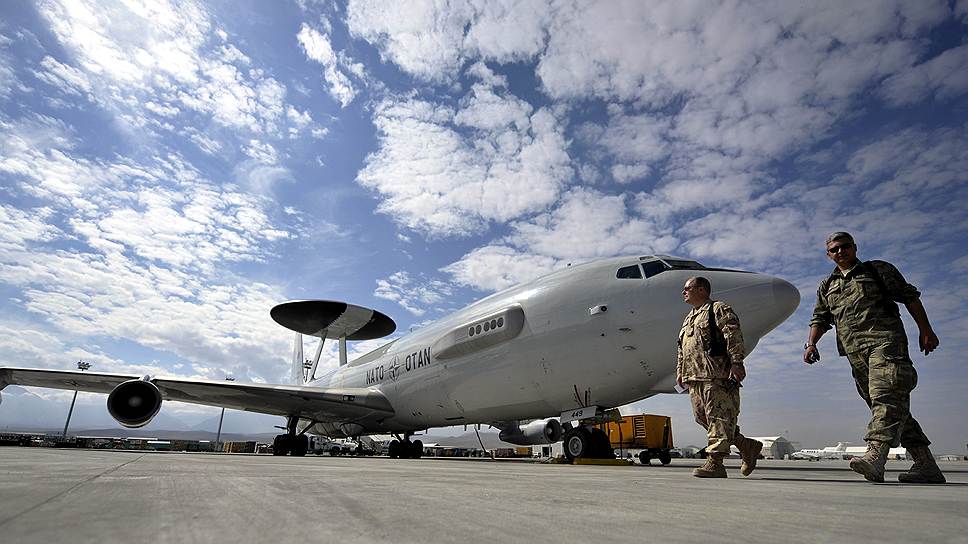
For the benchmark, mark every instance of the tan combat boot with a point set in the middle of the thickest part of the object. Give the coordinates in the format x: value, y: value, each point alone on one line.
x: 713, y: 468
x: 871, y: 465
x: 750, y: 452
x: 924, y: 470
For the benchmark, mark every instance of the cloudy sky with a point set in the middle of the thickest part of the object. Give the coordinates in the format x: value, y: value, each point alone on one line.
x: 171, y: 170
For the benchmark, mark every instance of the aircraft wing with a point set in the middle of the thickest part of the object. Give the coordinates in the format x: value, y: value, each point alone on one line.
x: 94, y: 382
x: 321, y: 404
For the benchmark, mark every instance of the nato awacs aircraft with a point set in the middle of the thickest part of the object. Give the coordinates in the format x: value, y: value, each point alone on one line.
x: 538, y: 361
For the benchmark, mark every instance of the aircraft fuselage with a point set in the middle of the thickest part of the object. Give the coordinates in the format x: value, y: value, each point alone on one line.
x: 580, y: 336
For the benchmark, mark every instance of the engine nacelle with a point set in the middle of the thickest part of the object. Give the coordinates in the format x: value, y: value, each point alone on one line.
x: 539, y: 431
x: 134, y: 403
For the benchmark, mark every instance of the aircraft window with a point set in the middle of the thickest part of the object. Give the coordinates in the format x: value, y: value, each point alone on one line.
x: 470, y: 331
x: 477, y: 329
x: 629, y: 272
x: 685, y: 265
x: 500, y: 322
x: 487, y: 326
x: 654, y: 267
x: 493, y: 323
x: 658, y: 266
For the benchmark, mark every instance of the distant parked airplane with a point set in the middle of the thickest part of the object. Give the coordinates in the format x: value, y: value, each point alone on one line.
x: 830, y: 452
x: 566, y: 346
x: 844, y: 451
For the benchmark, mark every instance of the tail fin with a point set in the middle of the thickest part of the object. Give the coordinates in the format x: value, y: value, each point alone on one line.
x: 298, y: 375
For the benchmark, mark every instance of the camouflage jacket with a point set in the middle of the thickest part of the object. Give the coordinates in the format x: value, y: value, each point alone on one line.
x: 863, y: 315
x: 694, y: 360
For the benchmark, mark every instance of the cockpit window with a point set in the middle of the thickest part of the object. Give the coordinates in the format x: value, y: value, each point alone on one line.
x: 658, y: 266
x: 684, y: 265
x: 629, y: 272
x: 654, y: 267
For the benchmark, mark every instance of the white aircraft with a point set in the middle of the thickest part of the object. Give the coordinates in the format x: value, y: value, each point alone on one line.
x: 573, y: 344
x: 830, y: 452
x: 844, y: 451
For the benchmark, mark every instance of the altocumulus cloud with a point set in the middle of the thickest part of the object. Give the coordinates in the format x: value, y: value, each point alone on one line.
x: 171, y: 170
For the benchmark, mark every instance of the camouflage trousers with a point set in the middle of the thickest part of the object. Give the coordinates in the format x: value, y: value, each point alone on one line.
x: 885, y: 376
x: 717, y: 410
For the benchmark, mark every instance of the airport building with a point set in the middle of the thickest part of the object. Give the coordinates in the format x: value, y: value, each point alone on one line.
x: 775, y: 447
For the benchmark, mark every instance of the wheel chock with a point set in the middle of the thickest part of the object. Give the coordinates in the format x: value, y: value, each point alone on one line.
x: 602, y: 462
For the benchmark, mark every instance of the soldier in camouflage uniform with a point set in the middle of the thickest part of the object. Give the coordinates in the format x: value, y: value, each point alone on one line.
x: 859, y: 298
x: 713, y: 374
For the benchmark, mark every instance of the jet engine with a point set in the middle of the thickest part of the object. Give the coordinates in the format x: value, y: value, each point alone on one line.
x: 539, y: 431
x: 133, y: 403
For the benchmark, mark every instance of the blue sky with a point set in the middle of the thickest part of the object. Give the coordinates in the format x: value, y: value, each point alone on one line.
x: 171, y: 170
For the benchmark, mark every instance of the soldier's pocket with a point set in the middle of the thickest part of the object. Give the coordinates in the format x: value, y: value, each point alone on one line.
x: 869, y: 287
x: 834, y: 295
x: 716, y: 367
x: 892, y: 367
x: 907, y: 376
x: 895, y: 352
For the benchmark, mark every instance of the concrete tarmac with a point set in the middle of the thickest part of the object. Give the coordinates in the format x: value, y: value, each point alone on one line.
x: 78, y: 496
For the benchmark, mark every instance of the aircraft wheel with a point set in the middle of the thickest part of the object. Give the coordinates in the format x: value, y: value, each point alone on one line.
x: 645, y: 458
x: 577, y: 443
x: 335, y: 451
x: 393, y: 450
x: 280, y: 445
x: 300, y: 445
x: 416, y: 449
x: 664, y: 457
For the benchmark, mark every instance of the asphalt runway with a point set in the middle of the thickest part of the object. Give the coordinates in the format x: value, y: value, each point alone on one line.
x: 53, y: 495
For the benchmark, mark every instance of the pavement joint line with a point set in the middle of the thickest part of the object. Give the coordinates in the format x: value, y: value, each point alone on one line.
x: 68, y: 490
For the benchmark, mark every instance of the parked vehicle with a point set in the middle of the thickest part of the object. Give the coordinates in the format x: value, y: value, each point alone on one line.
x: 650, y: 433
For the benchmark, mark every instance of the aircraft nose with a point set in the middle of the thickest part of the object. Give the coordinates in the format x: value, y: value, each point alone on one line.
x: 785, y: 296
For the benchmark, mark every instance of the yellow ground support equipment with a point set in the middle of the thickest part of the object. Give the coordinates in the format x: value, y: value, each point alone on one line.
x: 650, y: 433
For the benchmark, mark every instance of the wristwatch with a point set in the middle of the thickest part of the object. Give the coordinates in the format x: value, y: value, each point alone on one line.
x: 809, y: 345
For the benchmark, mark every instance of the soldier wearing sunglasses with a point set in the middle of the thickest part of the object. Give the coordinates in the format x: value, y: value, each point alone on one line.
x: 860, y: 300
x: 710, y: 363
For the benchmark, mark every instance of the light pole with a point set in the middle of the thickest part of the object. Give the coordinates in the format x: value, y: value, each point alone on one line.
x: 218, y: 437
x: 81, y: 365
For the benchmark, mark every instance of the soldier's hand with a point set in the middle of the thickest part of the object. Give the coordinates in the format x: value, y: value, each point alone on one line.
x: 737, y: 372
x: 811, y: 355
x: 928, y: 342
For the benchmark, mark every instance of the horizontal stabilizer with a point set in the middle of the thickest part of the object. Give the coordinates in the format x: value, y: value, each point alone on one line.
x: 331, y: 319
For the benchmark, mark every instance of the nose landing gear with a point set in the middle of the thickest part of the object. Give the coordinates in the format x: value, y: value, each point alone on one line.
x: 588, y: 442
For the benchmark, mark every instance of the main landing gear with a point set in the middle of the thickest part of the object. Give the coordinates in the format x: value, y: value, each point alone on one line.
x: 405, y: 449
x: 291, y: 443
x: 587, y: 442
x: 663, y: 455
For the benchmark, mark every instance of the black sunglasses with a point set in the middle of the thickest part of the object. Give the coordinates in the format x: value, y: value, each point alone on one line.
x: 837, y: 249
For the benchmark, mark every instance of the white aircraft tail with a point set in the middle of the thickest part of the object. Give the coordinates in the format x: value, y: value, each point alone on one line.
x: 298, y: 375
x: 303, y: 369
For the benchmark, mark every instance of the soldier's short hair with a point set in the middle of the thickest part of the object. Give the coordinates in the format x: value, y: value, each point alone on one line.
x: 839, y: 235
x: 702, y: 282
